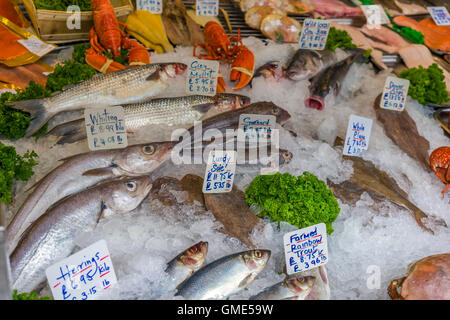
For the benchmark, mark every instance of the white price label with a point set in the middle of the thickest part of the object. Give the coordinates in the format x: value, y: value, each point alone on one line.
x: 358, y: 135
x: 394, y: 94
x: 305, y: 249
x: 220, y: 169
x: 154, y: 6
x: 207, y: 7
x: 36, y: 46
x: 254, y: 127
x: 105, y: 128
x: 202, y: 77
x: 84, y: 275
x: 440, y: 15
x: 375, y: 15
x: 314, y: 34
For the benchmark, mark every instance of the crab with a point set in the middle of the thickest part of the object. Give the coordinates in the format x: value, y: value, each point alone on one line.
x: 427, y: 279
x: 440, y: 164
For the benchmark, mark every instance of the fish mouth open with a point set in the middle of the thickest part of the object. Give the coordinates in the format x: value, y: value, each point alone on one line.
x: 315, y: 102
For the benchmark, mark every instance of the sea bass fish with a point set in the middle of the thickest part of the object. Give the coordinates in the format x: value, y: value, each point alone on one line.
x: 125, y: 86
x: 171, y: 111
x: 307, y: 63
x: 289, y: 289
x: 51, y: 237
x: 78, y: 172
x: 225, y: 276
x: 186, y: 263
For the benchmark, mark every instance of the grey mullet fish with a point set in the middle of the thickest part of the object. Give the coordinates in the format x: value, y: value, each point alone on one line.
x: 171, y: 111
x: 51, y: 237
x: 289, y: 289
x: 125, y: 86
x: 225, y: 276
x: 81, y: 171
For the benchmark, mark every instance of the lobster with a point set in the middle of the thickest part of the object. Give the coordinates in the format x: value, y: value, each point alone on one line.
x: 219, y: 46
x: 440, y: 164
x: 107, y: 36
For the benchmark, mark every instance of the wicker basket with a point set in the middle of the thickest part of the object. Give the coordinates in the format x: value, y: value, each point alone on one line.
x: 52, y: 25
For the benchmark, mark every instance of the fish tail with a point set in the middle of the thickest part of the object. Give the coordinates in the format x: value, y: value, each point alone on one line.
x: 38, y: 108
x: 69, y: 132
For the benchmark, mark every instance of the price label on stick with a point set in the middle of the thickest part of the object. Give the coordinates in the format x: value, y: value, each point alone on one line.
x: 202, y: 77
x: 154, y: 6
x: 314, y: 34
x: 375, y: 15
x: 86, y: 275
x: 305, y: 249
x: 358, y: 135
x: 207, y: 7
x: 105, y: 128
x: 440, y: 15
x: 219, y: 175
x: 394, y: 94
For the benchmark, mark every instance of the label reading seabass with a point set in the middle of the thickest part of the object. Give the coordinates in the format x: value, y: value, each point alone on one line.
x: 314, y: 34
x: 358, y: 135
x: 202, y: 77
x: 394, y: 94
x: 220, y: 169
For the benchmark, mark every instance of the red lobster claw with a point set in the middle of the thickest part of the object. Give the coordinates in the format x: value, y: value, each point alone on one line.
x: 243, y: 68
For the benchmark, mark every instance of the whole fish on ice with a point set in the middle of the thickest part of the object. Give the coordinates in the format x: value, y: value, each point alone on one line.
x: 289, y: 289
x: 307, y: 63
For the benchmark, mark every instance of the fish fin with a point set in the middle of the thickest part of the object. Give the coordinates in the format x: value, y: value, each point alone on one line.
x: 68, y: 128
x: 103, y: 208
x: 154, y: 76
x: 246, y: 280
x: 100, y: 172
x: 72, y: 138
x: 38, y: 110
x: 203, y: 108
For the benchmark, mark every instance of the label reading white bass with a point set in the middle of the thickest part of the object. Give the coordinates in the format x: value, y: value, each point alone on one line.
x: 105, y: 128
x: 305, y: 249
x: 440, y: 15
x: 202, y: 77
x: 220, y: 169
x: 254, y: 127
x: 375, y: 15
x: 36, y: 46
x: 358, y: 135
x: 154, y: 6
x: 394, y: 94
x: 207, y: 7
x: 314, y: 34
x: 85, y: 275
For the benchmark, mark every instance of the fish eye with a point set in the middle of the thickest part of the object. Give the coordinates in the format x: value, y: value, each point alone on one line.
x: 258, y: 254
x: 131, y: 186
x: 148, y: 149
x: 286, y: 155
x: 302, y: 61
x: 275, y: 111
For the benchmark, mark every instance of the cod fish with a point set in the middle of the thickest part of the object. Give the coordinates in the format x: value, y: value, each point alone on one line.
x: 289, y: 289
x: 51, y: 237
x: 305, y: 64
x: 170, y: 111
x: 225, y: 276
x: 78, y: 172
x: 186, y: 263
x: 125, y: 86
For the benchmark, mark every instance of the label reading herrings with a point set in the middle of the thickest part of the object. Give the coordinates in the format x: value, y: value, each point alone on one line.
x: 105, y: 128
x: 220, y: 169
x: 202, y: 77
x: 358, y: 135
x: 85, y: 275
x: 305, y: 249
x: 36, y: 46
x: 207, y: 7
x: 375, y: 15
x: 314, y: 34
x: 394, y: 94
x: 440, y: 15
x: 154, y: 6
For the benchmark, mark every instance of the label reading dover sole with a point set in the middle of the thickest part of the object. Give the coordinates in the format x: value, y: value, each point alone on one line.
x: 440, y: 15
x: 219, y: 175
x: 154, y: 6
x: 202, y: 77
x: 36, y: 46
x: 358, y: 135
x: 253, y: 127
x: 105, y: 128
x: 314, y: 34
x: 306, y: 248
x: 207, y: 7
x: 375, y: 15
x: 394, y: 94
x: 83, y: 276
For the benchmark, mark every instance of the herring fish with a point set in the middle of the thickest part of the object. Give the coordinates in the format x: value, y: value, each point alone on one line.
x: 225, y: 276
x: 51, y: 237
x: 125, y: 86
x: 305, y: 64
x: 81, y: 171
x: 289, y: 289
x: 171, y: 111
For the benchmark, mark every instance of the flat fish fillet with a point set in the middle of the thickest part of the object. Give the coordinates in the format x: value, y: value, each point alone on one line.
x: 22, y: 75
x: 411, y: 8
x: 384, y: 39
x: 334, y: 8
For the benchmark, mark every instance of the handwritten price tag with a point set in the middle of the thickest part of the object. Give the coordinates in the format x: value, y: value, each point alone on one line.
x: 219, y: 175
x: 154, y: 6
x: 83, y: 276
x: 394, y: 94
x: 105, y: 128
x: 36, y: 46
x: 314, y: 34
x: 207, y: 7
x: 358, y: 135
x: 253, y: 127
x: 440, y: 15
x: 306, y: 249
x: 375, y: 15
x: 202, y: 77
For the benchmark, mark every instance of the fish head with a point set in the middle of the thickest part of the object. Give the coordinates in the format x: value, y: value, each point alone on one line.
x: 171, y: 70
x: 315, y: 102
x: 299, y: 285
x: 194, y: 257
x: 256, y: 260
x: 124, y: 195
x: 285, y: 156
x: 228, y: 102
x: 282, y: 115
x: 304, y: 66
x: 142, y: 158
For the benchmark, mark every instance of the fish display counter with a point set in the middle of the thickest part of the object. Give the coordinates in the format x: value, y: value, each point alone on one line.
x: 184, y: 155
